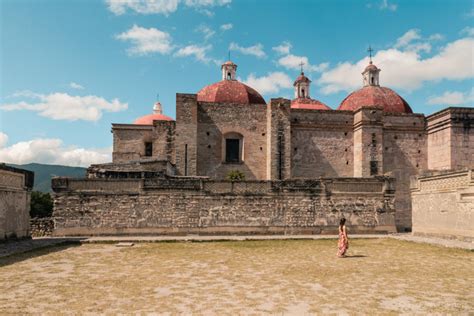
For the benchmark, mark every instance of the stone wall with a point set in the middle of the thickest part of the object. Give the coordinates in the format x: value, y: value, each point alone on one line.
x: 215, y: 122
x: 41, y: 226
x: 443, y: 204
x: 451, y: 139
x: 404, y: 155
x: 129, y: 141
x: 321, y: 143
x: 15, y: 195
x: 202, y: 206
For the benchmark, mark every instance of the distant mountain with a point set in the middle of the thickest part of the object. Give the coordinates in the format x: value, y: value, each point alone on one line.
x: 44, y: 173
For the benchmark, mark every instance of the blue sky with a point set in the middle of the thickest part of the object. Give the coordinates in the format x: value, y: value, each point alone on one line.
x: 71, y: 68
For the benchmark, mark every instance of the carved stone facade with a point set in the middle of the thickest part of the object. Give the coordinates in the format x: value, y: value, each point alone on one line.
x: 15, y: 195
x: 175, y: 205
x: 443, y: 204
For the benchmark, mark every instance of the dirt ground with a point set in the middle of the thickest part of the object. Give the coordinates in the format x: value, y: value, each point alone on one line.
x: 381, y: 276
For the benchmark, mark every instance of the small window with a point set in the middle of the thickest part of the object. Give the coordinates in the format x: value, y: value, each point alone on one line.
x: 148, y: 149
x: 374, y: 168
x: 232, y: 147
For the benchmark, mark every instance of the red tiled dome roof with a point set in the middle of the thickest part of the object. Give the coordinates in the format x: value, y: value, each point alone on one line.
x: 230, y: 91
x: 375, y: 96
x: 309, y: 104
x: 148, y: 119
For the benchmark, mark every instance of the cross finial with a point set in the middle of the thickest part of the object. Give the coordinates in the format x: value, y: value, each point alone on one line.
x: 158, y: 97
x: 370, y: 50
x: 228, y: 55
x: 301, y: 65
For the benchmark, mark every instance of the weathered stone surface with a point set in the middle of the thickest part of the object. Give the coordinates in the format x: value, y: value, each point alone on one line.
x: 220, y: 207
x: 15, y: 195
x: 443, y: 204
x: 41, y: 227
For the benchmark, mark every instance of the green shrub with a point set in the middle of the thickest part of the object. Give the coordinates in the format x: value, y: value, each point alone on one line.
x: 41, y: 204
x: 235, y: 175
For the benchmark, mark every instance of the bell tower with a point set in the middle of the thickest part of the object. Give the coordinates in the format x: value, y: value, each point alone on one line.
x: 302, y: 84
x: 228, y: 70
x: 371, y: 72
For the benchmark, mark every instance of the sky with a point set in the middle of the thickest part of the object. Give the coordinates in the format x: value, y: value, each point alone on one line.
x: 69, y: 69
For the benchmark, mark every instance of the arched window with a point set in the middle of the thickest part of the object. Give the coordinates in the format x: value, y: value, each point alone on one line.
x: 302, y: 93
x: 229, y: 76
x: 372, y: 80
x: 233, y: 147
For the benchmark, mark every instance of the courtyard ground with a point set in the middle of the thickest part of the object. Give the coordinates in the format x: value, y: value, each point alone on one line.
x: 381, y: 276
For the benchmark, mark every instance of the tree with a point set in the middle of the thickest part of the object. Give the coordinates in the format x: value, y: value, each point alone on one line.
x: 41, y: 204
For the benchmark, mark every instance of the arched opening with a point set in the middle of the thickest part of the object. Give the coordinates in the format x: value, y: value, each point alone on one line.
x: 302, y: 93
x: 233, y: 144
x: 229, y: 76
x: 372, y: 80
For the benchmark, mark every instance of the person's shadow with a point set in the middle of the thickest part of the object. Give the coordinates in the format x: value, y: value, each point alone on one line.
x: 355, y: 256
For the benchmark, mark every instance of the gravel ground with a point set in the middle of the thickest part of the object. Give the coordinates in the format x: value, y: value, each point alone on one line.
x: 294, y: 277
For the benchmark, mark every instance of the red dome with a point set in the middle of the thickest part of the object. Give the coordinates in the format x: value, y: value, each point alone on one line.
x: 375, y: 96
x: 308, y: 104
x: 148, y: 119
x: 230, y: 91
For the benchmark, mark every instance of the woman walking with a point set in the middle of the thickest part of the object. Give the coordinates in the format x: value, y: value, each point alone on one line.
x: 343, y: 243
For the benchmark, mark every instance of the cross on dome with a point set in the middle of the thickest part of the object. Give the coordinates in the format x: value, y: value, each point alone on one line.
x: 370, y: 50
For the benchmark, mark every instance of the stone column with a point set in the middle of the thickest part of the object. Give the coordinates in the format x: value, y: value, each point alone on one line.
x: 186, y: 134
x: 368, y: 142
x: 278, y: 139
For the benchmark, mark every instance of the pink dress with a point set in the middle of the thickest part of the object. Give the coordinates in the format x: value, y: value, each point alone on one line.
x: 343, y: 244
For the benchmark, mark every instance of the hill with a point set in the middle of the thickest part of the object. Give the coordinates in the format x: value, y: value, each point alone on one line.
x: 44, y: 173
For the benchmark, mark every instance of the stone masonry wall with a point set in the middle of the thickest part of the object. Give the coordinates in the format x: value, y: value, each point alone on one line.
x: 15, y: 195
x: 405, y: 155
x: 198, y: 206
x: 443, y: 204
x: 322, y: 143
x: 215, y: 121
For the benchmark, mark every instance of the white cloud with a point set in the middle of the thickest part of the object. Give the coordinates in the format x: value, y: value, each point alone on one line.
x: 453, y: 98
x: 469, y: 31
x: 76, y: 86
x: 3, y: 139
x: 406, y: 70
x: 206, y: 31
x: 165, y: 7
x: 52, y: 151
x: 283, y: 48
x: 272, y: 83
x: 385, y: 5
x: 255, y: 50
x: 293, y: 62
x: 146, y: 41
x: 407, y: 38
x: 62, y: 106
x: 226, y: 27
x: 199, y: 52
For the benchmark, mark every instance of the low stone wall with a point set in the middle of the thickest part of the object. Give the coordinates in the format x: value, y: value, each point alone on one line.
x: 443, y: 204
x: 41, y: 227
x: 200, y: 206
x: 15, y: 195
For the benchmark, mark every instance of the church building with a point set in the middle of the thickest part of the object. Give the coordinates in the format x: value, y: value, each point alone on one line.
x: 228, y: 126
